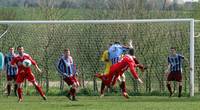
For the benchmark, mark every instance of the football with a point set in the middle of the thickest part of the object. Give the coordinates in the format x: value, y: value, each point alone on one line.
x: 26, y: 63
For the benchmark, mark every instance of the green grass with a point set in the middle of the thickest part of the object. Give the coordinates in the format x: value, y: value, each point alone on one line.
x: 106, y: 103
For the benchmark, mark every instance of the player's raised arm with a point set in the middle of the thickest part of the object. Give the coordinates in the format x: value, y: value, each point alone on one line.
x: 128, y: 47
x: 131, y: 44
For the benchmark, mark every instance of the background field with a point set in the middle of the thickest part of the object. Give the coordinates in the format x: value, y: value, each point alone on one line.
x: 106, y: 103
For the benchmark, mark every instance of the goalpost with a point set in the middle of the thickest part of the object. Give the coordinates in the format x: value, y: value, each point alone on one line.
x: 88, y: 38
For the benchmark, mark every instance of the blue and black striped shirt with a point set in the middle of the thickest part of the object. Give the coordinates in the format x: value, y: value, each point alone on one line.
x: 11, y: 71
x: 66, y: 67
x: 176, y: 62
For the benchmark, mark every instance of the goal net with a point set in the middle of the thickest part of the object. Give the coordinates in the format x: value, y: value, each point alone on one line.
x: 87, y: 39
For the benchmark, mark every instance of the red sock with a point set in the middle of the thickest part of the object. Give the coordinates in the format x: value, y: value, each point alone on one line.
x: 39, y: 90
x: 19, y: 91
x: 123, y: 86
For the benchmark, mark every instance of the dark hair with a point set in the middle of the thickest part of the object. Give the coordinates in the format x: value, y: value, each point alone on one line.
x: 173, y: 48
x: 116, y: 42
x: 19, y: 46
x: 131, y: 51
x: 65, y: 50
x: 10, y: 47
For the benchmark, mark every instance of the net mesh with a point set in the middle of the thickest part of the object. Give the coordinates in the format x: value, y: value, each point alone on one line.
x: 152, y: 41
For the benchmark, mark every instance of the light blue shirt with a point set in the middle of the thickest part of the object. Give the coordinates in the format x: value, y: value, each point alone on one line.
x: 115, y: 52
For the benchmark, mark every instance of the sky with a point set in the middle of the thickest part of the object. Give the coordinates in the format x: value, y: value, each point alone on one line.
x: 183, y: 1
x: 190, y: 0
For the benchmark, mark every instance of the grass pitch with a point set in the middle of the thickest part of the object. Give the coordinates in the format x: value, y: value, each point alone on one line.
x: 106, y: 103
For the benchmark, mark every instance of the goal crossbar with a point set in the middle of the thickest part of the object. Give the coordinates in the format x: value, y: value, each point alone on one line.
x: 94, y: 21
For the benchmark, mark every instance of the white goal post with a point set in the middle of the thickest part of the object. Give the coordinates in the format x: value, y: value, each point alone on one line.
x: 189, y: 21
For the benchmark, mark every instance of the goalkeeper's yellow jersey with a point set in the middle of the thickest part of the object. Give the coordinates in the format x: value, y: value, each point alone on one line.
x: 105, y: 59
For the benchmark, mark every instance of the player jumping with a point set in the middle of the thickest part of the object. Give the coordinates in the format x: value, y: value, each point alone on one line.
x: 118, y: 69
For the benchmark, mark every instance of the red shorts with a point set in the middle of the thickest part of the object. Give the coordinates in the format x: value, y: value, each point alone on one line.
x: 111, y: 78
x: 22, y: 75
x: 10, y: 78
x: 71, y: 80
x: 175, y: 76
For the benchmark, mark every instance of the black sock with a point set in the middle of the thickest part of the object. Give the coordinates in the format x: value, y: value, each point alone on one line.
x: 8, y: 89
x: 169, y: 88
x: 180, y: 90
x: 15, y: 89
x: 102, y: 88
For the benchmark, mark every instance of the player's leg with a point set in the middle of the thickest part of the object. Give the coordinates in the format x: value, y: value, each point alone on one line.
x: 116, y: 78
x: 66, y: 79
x: 74, y: 88
x: 76, y: 81
x: 179, y: 80
x: 102, y: 89
x: 72, y: 92
x: 19, y: 91
x: 180, y: 89
x: 109, y: 83
x: 107, y: 78
x: 169, y: 88
x: 31, y: 78
x: 123, y: 85
x: 9, y: 84
x: 111, y: 78
x: 15, y: 84
x: 169, y: 79
x: 103, y: 83
x: 19, y: 81
x: 39, y: 89
x: 119, y: 79
x: 8, y: 87
x: 15, y: 88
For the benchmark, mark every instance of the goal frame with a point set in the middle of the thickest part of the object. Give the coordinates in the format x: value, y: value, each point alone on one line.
x: 190, y: 21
